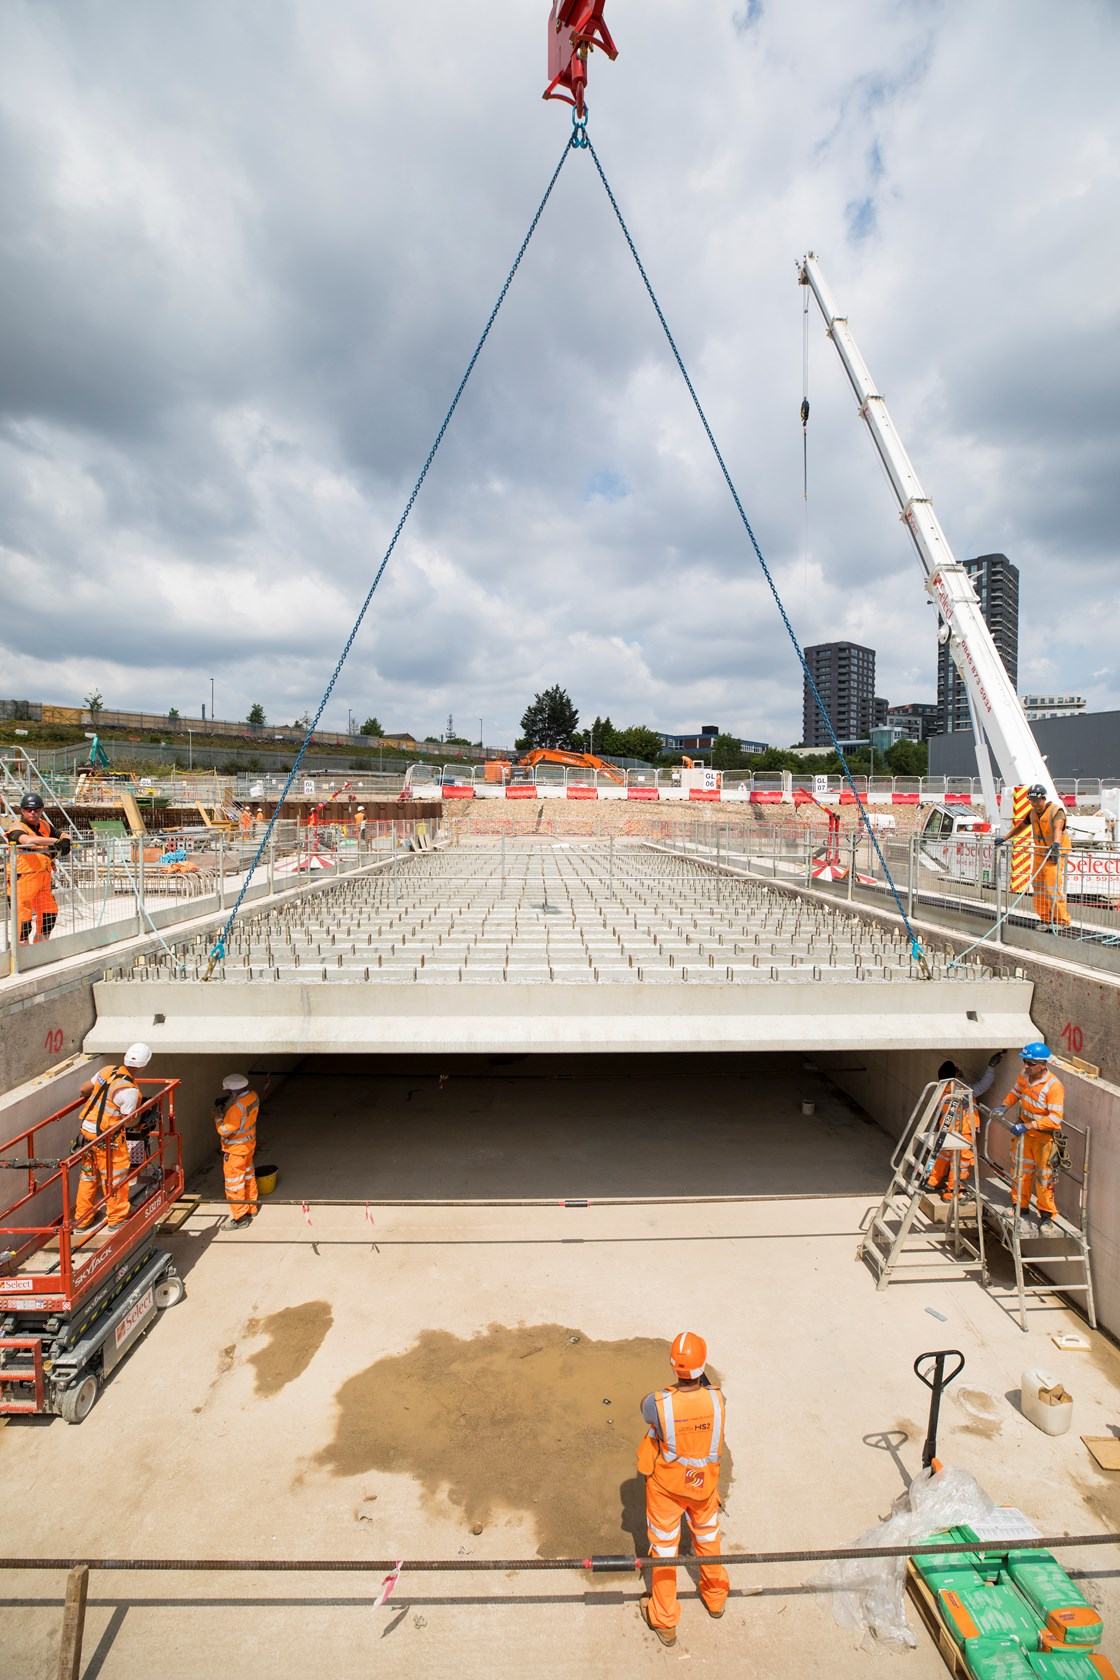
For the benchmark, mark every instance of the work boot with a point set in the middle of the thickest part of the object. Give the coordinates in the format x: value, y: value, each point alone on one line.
x: 667, y: 1636
x: 229, y: 1223
x: 714, y: 1614
x: 1046, y: 1225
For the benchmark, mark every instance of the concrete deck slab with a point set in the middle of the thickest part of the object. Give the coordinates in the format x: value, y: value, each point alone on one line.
x: 214, y: 1437
x: 529, y: 1012
x: 588, y: 948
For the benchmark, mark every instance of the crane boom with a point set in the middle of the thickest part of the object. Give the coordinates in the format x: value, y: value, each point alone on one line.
x: 997, y: 715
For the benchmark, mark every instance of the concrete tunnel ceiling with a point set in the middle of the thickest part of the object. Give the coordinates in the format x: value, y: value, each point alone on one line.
x: 560, y: 948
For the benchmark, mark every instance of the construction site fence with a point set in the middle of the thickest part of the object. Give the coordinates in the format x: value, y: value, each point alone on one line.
x: 964, y: 882
x: 115, y: 887
x: 244, y: 789
x: 740, y: 786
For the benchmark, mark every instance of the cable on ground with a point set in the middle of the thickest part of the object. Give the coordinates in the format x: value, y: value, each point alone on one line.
x: 623, y: 1563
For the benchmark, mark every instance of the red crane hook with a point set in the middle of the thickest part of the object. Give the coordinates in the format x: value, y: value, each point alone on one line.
x: 575, y: 29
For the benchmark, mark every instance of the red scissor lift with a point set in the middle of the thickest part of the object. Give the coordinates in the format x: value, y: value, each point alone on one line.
x: 72, y: 1303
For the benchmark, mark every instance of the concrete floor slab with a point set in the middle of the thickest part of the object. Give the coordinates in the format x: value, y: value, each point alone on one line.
x: 214, y: 1437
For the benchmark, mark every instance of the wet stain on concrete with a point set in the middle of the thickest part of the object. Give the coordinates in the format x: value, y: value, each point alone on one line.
x: 295, y: 1336
x: 1102, y: 1497
x: 225, y: 1365
x: 537, y: 1420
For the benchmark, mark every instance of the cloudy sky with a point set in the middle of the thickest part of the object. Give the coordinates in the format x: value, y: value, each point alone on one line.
x: 248, y: 246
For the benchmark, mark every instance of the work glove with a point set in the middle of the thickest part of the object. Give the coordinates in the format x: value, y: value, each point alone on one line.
x: 64, y: 846
x: 994, y: 1061
x: 1018, y: 1129
x: 1055, y: 850
x: 1000, y: 840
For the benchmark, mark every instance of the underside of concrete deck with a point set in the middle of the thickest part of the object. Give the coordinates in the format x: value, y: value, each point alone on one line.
x: 558, y: 946
x: 402, y: 1381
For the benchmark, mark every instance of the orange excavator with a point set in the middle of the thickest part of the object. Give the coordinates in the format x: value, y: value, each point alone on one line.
x: 503, y: 770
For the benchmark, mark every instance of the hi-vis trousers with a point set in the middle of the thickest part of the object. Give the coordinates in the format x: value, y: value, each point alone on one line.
x: 241, y: 1180
x: 663, y: 1524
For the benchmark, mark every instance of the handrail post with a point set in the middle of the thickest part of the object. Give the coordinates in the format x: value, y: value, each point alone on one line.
x: 13, y: 903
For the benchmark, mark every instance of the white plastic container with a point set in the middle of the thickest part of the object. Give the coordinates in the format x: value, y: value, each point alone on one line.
x: 808, y: 1107
x: 1051, y: 1419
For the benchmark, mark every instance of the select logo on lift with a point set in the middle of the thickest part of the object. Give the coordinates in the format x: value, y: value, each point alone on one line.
x: 17, y: 1283
x: 132, y: 1318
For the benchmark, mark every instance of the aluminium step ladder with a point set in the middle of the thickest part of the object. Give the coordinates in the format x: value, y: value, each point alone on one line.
x: 1064, y: 1250
x: 898, y: 1225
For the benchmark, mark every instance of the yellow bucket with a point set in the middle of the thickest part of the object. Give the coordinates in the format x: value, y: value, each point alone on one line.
x: 266, y: 1180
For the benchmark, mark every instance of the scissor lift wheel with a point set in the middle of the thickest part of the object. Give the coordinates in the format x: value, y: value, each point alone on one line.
x: 169, y: 1291
x: 77, y: 1401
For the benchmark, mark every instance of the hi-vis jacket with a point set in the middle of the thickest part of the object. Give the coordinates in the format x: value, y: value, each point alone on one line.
x: 1041, y: 1106
x: 237, y: 1124
x: 29, y: 861
x: 115, y: 1096
x: 1043, y: 826
x: 686, y: 1437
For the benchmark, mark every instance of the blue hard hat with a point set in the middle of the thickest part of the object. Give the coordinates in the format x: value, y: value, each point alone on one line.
x: 1036, y: 1052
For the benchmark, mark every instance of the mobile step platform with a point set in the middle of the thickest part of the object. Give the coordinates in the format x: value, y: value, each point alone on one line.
x: 72, y: 1303
x: 908, y: 1219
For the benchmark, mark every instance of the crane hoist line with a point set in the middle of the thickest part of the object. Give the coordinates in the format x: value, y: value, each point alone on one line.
x: 576, y: 27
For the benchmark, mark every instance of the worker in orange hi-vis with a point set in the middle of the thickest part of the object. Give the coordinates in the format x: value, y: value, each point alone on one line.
x: 1049, y: 844
x: 679, y: 1457
x: 245, y: 821
x: 111, y: 1095
x: 36, y: 846
x: 1041, y: 1099
x: 953, y: 1167
x: 235, y: 1115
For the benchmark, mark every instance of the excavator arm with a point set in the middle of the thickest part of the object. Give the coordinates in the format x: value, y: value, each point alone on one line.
x: 574, y: 760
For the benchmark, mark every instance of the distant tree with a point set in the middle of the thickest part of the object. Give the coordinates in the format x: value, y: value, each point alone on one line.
x: 173, y: 714
x: 638, y: 742
x: 907, y: 758
x: 777, y: 758
x: 371, y: 726
x: 303, y: 722
x: 600, y: 738
x: 256, y: 718
x: 94, y: 702
x: 551, y: 721
x: 727, y: 754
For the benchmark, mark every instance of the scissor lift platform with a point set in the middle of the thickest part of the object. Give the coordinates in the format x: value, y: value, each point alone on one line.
x: 73, y: 1303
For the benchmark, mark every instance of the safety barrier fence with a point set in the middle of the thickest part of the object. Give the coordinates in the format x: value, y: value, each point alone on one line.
x: 732, y: 786
x: 392, y: 1569
x: 114, y: 887
x: 964, y: 882
x: 241, y: 789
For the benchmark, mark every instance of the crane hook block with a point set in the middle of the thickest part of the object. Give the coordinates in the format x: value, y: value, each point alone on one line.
x: 575, y: 28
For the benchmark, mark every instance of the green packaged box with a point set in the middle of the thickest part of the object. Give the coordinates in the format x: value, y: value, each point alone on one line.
x: 1060, y: 1606
x: 998, y: 1659
x: 987, y: 1610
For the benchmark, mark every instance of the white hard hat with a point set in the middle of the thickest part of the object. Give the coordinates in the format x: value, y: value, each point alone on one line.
x: 137, y: 1055
x: 235, y: 1082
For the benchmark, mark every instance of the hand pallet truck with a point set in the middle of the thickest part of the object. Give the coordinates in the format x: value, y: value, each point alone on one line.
x: 72, y: 1303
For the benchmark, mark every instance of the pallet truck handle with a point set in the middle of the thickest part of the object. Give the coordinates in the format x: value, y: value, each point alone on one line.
x: 936, y: 1381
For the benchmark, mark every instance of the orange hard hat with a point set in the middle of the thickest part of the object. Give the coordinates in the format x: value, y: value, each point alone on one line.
x: 688, y: 1355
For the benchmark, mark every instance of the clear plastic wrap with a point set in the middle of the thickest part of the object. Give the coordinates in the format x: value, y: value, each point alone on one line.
x: 869, y: 1595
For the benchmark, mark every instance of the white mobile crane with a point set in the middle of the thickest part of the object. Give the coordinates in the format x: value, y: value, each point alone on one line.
x: 998, y: 720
